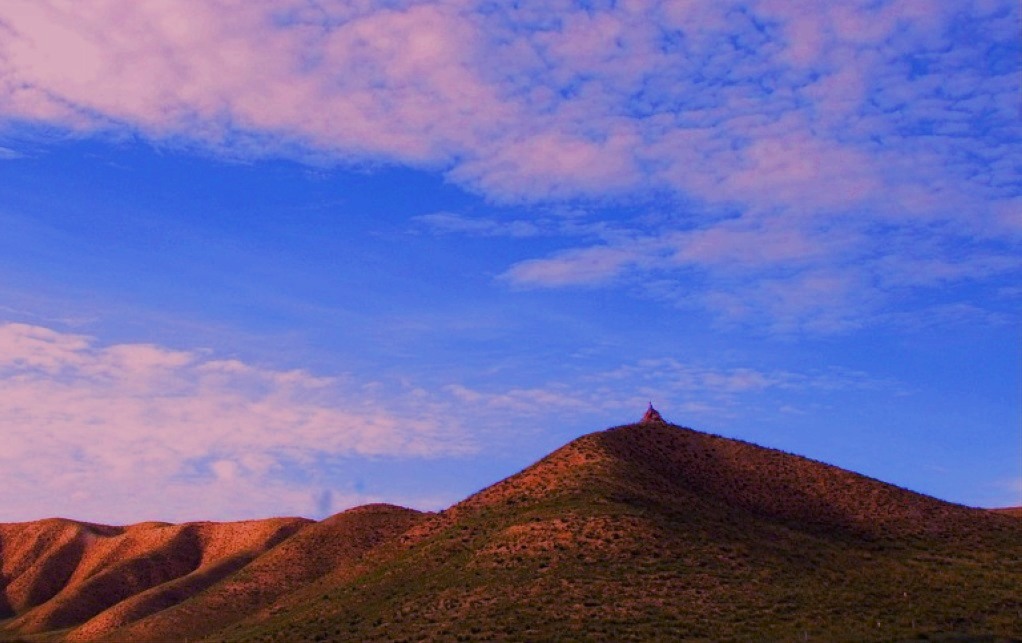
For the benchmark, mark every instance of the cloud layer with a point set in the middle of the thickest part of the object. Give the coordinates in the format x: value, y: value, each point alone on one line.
x: 806, y: 140
x: 124, y: 432
x: 183, y: 431
x: 761, y: 102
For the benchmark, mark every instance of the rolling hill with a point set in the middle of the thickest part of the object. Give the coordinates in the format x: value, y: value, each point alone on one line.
x: 637, y: 532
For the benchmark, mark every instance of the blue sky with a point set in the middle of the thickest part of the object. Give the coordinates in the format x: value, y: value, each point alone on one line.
x: 288, y: 257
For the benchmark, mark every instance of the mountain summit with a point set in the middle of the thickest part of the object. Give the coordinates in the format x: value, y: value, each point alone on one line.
x: 652, y: 416
x: 640, y: 532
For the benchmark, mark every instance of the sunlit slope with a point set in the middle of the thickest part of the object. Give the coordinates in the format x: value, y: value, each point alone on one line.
x: 333, y: 546
x: 653, y: 531
x: 59, y: 573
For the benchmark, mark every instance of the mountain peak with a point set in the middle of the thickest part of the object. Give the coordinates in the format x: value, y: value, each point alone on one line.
x: 652, y: 416
x: 692, y: 534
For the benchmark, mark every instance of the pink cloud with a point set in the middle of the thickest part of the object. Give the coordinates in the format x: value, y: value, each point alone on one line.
x: 561, y: 162
x: 515, y: 112
x: 746, y: 245
x: 817, y: 300
x: 390, y: 82
x: 805, y: 130
x: 133, y: 416
x: 585, y: 266
x: 35, y: 347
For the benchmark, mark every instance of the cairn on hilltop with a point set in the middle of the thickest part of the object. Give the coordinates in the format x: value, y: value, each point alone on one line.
x: 652, y: 416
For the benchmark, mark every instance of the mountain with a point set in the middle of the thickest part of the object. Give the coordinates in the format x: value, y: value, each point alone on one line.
x: 332, y: 547
x: 60, y: 573
x: 1009, y: 511
x: 646, y: 531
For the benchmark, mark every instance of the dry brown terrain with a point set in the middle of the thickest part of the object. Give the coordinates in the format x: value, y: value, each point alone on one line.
x: 638, y: 532
x: 60, y: 573
x: 334, y: 546
x: 1009, y: 511
x: 89, y: 580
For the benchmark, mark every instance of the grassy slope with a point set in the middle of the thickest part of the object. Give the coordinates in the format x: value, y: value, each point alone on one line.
x: 651, y: 532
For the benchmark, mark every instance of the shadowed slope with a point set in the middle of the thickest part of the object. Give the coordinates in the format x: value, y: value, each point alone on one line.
x: 38, y: 558
x: 653, y: 531
x: 668, y: 463
x: 336, y: 543
x: 1009, y: 511
x: 59, y: 573
x: 677, y: 469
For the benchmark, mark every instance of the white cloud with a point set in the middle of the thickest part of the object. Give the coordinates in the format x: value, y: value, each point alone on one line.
x: 584, y: 266
x: 832, y: 132
x: 775, y: 272
x: 156, y: 427
x: 765, y: 102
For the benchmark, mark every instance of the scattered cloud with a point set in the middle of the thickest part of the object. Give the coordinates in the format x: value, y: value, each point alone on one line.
x: 775, y: 273
x: 951, y: 314
x: 698, y: 391
x: 184, y: 429
x: 834, y: 132
x: 763, y: 102
x: 520, y: 400
x: 695, y: 378
x: 582, y: 266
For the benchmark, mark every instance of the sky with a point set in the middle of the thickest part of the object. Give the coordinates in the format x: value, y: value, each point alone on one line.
x: 287, y: 257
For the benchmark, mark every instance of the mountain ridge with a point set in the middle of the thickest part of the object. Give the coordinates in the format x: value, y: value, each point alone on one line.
x: 674, y: 524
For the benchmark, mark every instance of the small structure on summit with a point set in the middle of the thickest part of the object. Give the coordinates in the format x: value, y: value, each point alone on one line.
x: 652, y: 416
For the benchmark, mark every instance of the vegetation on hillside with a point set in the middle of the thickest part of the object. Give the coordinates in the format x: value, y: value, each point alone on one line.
x: 640, y: 532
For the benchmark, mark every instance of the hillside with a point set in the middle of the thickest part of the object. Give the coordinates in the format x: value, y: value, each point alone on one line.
x: 638, y: 532
x: 60, y: 573
x: 652, y: 531
x: 334, y: 546
x: 1009, y: 511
